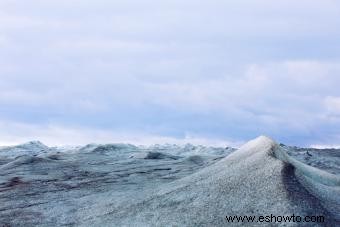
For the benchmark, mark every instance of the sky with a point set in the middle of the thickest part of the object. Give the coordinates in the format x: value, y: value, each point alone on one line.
x: 215, y: 72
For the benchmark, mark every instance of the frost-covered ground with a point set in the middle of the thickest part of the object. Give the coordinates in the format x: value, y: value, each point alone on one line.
x: 160, y: 185
x: 65, y: 186
x: 326, y: 159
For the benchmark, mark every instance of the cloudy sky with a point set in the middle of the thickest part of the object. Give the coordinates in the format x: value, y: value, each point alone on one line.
x: 213, y: 72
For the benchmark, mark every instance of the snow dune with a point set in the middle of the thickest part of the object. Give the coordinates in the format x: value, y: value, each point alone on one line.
x: 126, y: 185
x: 250, y: 181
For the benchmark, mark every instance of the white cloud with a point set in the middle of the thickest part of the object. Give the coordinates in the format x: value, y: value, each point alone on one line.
x: 332, y: 105
x: 325, y: 146
x: 258, y: 83
x: 3, y: 41
x: 14, y: 133
x: 254, y: 66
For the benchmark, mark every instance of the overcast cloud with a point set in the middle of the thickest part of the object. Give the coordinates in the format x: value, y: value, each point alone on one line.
x: 213, y: 72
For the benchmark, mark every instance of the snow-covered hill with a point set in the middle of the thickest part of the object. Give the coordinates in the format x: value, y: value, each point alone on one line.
x: 30, y: 148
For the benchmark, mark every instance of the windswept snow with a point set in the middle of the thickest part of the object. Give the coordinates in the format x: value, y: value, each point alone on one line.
x: 250, y: 181
x: 30, y: 148
x: 320, y: 183
x: 164, y: 185
x: 325, y: 159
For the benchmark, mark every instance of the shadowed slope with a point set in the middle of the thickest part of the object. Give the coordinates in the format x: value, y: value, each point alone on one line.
x: 321, y: 184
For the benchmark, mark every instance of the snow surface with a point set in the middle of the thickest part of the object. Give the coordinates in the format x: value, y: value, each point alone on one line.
x: 164, y: 185
x: 30, y: 148
x: 320, y: 183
